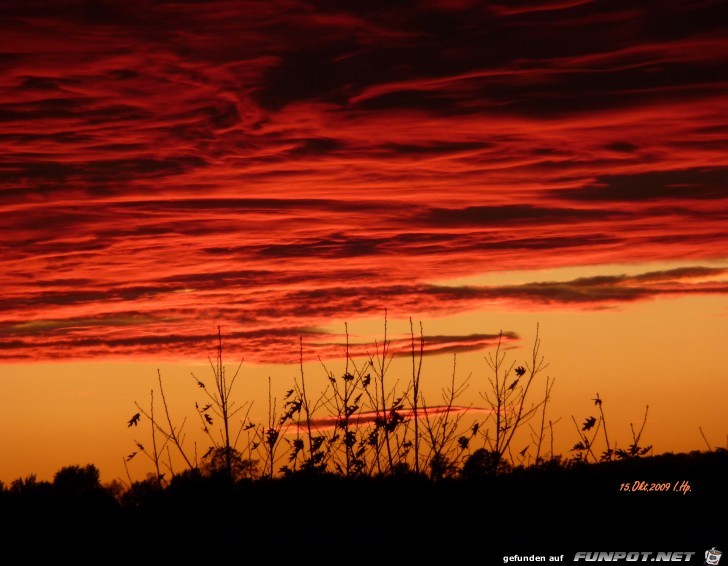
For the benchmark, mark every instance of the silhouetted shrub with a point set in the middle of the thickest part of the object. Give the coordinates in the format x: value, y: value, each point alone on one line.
x: 142, y: 493
x: 216, y: 462
x: 77, y: 480
x: 484, y: 463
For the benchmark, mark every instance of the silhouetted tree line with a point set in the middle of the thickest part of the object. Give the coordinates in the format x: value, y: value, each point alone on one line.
x: 529, y: 508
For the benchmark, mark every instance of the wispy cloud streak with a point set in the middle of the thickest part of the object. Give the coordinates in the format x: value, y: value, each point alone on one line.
x: 365, y: 418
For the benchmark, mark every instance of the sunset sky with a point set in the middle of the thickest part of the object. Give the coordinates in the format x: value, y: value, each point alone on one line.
x: 282, y: 168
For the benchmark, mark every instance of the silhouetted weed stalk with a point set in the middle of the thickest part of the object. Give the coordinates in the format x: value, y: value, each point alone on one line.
x: 509, y: 401
x: 589, y: 432
x: 367, y: 421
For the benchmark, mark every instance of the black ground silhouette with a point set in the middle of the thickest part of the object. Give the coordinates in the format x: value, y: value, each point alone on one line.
x: 547, y: 510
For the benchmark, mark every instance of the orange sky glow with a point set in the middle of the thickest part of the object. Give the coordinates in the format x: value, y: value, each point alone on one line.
x: 280, y: 169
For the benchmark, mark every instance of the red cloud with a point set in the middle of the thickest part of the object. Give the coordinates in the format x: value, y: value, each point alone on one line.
x: 364, y: 418
x: 271, y: 167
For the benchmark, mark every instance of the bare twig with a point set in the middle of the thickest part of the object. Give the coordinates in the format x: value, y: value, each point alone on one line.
x: 710, y: 448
